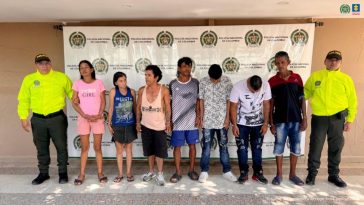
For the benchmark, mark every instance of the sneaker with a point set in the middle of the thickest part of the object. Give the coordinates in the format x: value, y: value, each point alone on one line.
x: 203, y: 177
x: 310, y: 179
x: 40, y: 179
x: 148, y: 176
x: 160, y: 180
x: 243, y: 177
x: 229, y: 176
x: 259, y: 177
x: 335, y: 179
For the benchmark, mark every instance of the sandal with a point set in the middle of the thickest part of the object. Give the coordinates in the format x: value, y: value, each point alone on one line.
x: 193, y: 175
x: 175, y: 178
x: 130, y: 178
x: 276, y: 180
x: 117, y: 179
x: 297, y: 181
x: 102, y: 178
x: 79, y: 181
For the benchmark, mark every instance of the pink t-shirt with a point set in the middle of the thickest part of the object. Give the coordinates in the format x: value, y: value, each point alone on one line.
x: 89, y: 95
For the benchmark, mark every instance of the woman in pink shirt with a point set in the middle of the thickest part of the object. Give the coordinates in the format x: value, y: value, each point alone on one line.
x: 90, y: 106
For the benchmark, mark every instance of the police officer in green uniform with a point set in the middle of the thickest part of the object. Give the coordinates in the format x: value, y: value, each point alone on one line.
x: 334, y: 105
x: 43, y: 92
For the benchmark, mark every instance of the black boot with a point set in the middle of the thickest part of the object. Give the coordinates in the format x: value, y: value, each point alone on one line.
x: 40, y: 178
x: 63, y: 178
x: 335, y: 179
x: 310, y: 179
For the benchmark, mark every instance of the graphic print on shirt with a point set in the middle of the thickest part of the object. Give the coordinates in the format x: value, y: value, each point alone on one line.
x: 89, y: 92
x: 151, y: 109
x: 124, y: 110
x: 255, y: 116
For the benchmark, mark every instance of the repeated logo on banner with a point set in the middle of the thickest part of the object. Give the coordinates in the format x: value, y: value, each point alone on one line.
x: 242, y: 51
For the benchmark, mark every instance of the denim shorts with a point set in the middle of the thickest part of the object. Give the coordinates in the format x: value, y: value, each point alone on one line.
x: 293, y: 132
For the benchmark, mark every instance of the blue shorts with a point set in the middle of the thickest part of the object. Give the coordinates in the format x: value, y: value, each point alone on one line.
x: 179, y: 137
x: 293, y: 132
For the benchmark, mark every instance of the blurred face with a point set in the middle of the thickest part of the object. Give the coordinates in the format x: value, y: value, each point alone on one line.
x: 282, y: 63
x: 251, y: 88
x: 44, y: 67
x: 332, y: 64
x: 185, y: 70
x: 215, y: 81
x: 85, y: 70
x: 149, y: 77
x: 121, y: 82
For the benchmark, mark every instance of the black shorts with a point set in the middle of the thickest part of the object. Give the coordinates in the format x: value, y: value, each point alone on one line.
x: 124, y: 134
x: 154, y: 142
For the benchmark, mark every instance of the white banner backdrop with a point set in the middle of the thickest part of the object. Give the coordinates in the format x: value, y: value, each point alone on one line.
x: 242, y: 51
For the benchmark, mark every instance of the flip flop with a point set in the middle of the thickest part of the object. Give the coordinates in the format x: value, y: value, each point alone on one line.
x: 130, y: 178
x: 117, y: 179
x: 276, y: 180
x: 193, y: 175
x: 79, y: 181
x: 175, y: 178
x: 297, y: 181
x: 102, y: 179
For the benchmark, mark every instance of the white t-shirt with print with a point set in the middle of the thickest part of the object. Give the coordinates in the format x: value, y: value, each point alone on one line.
x: 250, y: 105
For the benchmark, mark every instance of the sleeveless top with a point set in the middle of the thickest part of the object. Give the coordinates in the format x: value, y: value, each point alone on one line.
x: 152, y: 113
x: 123, y: 113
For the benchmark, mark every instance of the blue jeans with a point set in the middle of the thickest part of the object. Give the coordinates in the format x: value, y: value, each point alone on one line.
x: 207, y: 139
x: 253, y: 135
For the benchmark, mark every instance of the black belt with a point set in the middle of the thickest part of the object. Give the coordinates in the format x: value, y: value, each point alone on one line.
x: 55, y: 114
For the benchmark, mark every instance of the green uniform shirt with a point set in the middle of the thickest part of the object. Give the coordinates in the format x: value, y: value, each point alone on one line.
x: 43, y: 94
x: 330, y: 92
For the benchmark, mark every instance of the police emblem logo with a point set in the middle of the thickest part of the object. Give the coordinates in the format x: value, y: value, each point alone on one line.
x: 299, y: 37
x: 77, y: 40
x: 165, y: 39
x: 77, y: 143
x: 271, y: 65
x: 141, y: 64
x: 36, y: 83
x: 345, y: 9
x: 208, y: 39
x: 101, y: 65
x: 193, y: 66
x: 356, y: 9
x: 120, y: 39
x: 253, y: 38
x: 230, y: 64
